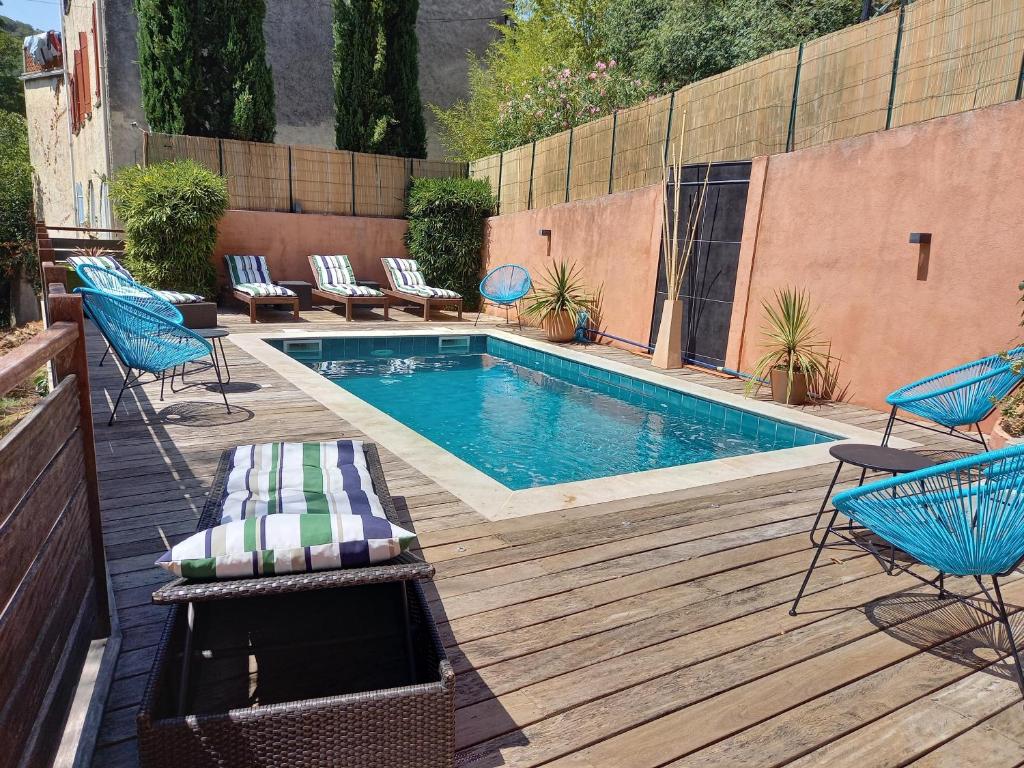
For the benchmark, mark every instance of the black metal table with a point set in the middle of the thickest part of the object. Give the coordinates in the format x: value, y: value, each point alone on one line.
x: 219, y: 360
x: 877, y: 458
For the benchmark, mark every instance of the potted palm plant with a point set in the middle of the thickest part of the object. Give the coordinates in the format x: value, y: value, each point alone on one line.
x: 558, y: 302
x: 793, y: 353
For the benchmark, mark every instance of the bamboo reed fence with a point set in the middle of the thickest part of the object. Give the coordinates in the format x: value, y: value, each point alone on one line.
x: 928, y: 59
x: 280, y: 177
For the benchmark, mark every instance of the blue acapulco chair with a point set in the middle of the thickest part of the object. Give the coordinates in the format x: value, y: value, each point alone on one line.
x: 960, y: 397
x: 118, y: 284
x: 962, y: 518
x: 503, y: 286
x: 144, y: 341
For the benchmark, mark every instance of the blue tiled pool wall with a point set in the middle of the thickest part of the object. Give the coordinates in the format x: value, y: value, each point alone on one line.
x: 638, y: 392
x: 633, y: 390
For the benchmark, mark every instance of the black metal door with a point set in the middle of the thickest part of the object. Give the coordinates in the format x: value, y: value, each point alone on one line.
x: 710, y: 281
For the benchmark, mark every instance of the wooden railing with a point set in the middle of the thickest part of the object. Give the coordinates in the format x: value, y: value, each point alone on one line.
x: 53, y: 579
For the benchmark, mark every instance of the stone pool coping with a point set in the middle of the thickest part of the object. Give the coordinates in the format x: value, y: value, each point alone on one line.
x: 496, y: 502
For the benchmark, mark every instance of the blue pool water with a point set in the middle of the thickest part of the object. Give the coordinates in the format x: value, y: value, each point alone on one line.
x: 528, y: 419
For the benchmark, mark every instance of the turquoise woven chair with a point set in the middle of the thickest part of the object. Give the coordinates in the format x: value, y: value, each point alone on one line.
x: 145, y: 341
x: 504, y: 286
x: 960, y: 397
x: 962, y: 518
x: 119, y: 284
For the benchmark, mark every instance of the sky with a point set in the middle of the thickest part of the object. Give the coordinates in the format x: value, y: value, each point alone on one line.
x: 41, y: 14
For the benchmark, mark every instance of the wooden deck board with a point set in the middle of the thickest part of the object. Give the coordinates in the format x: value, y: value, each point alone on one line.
x: 645, y: 632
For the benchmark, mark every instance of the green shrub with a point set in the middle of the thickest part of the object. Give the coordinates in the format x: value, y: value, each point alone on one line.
x: 170, y: 213
x: 446, y: 232
x: 17, y: 211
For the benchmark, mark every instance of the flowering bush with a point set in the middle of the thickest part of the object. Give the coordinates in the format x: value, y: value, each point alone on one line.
x: 561, y: 99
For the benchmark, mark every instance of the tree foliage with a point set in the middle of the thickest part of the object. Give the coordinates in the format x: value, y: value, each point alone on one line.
x: 170, y: 213
x: 17, y: 209
x: 12, y: 92
x: 666, y: 43
x: 376, y: 78
x: 204, y: 68
x: 446, y: 232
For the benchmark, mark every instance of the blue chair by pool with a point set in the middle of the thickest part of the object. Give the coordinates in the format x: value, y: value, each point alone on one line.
x: 119, y: 284
x: 960, y: 397
x: 145, y: 341
x: 962, y: 518
x: 504, y: 286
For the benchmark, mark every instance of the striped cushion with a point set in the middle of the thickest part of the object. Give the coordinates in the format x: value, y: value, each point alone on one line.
x: 104, y: 262
x: 263, y: 289
x: 350, y: 290
x: 406, y: 277
x: 247, y: 270
x: 177, y: 297
x: 272, y: 478
x: 334, y: 275
x: 278, y: 544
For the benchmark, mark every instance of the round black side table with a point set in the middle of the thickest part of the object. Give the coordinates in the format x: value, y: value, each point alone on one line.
x: 877, y: 458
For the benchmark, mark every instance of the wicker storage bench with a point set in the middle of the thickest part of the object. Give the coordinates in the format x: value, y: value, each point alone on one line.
x: 336, y: 668
x: 339, y: 716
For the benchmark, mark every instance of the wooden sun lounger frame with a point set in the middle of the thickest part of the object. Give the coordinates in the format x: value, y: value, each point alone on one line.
x: 428, y: 303
x: 255, y: 301
x: 349, y: 302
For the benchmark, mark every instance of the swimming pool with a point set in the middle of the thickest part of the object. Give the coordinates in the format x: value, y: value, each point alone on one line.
x: 528, y: 419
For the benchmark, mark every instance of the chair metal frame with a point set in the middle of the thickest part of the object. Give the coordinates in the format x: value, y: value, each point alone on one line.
x: 963, y: 518
x: 506, y: 300
x: 169, y: 343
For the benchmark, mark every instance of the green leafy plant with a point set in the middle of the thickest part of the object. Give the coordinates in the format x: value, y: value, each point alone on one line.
x: 791, y: 340
x: 561, y: 291
x: 446, y: 232
x: 17, y: 211
x: 170, y: 213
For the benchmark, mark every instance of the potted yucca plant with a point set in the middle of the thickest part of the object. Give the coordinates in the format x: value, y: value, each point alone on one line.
x: 793, y: 351
x: 558, y: 302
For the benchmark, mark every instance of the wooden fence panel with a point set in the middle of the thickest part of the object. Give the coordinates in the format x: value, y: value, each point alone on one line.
x: 591, y: 168
x: 845, y: 79
x: 381, y: 184
x: 549, y: 169
x: 640, y: 144
x: 517, y: 165
x: 161, y: 147
x: 437, y: 169
x: 957, y: 56
x: 322, y: 180
x: 257, y: 175
x: 740, y: 113
x: 489, y: 169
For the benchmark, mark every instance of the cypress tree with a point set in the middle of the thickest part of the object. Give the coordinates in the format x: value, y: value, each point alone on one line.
x: 252, y: 112
x: 168, y: 63
x: 358, y: 49
x: 407, y: 134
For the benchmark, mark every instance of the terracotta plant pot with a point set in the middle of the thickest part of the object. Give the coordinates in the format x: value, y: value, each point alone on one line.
x: 559, y: 326
x: 668, y: 350
x: 780, y: 381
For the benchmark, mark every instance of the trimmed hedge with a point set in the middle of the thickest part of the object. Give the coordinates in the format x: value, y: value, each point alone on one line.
x: 170, y: 213
x: 17, y: 211
x: 446, y: 232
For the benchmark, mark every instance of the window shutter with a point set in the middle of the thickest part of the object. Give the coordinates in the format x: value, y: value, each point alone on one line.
x: 76, y: 94
x: 96, y: 51
x: 83, y: 42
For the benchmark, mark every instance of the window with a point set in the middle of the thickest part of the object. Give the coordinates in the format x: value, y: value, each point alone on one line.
x: 104, y: 220
x: 79, y: 205
x: 91, y: 210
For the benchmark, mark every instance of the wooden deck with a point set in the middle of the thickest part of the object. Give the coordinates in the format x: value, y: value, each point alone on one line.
x: 646, y: 633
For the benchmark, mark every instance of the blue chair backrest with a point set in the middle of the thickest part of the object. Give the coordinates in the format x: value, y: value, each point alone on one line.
x: 506, y: 284
x: 142, y: 338
x: 116, y: 284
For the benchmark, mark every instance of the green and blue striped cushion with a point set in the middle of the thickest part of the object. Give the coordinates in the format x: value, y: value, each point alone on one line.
x: 334, y: 274
x: 280, y: 544
x: 263, y: 289
x: 406, y: 277
x: 103, y: 262
x: 295, y: 478
x: 178, y: 297
x: 247, y: 269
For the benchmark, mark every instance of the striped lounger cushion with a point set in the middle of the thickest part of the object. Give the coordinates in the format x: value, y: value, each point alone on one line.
x: 296, y: 478
x: 109, y: 262
x: 407, y: 278
x: 251, y: 276
x: 279, y: 544
x: 334, y: 275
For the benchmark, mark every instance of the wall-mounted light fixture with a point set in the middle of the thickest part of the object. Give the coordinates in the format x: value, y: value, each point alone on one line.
x: 546, y: 233
x: 924, y: 242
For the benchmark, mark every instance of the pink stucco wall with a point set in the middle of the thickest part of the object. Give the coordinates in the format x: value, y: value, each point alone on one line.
x: 615, y: 240
x: 287, y: 240
x: 836, y: 220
